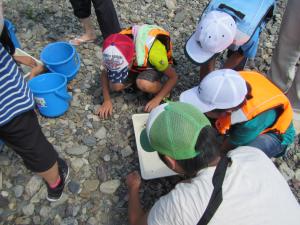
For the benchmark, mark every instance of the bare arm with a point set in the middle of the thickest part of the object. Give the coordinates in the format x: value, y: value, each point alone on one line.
x: 165, y: 90
x: 233, y: 60
x: 105, y: 110
x: 170, y: 84
x: 207, y: 67
x: 136, y: 214
x: 105, y: 86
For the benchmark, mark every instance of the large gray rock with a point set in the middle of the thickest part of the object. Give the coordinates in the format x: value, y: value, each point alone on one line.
x: 101, y: 133
x: 77, y: 150
x: 110, y: 187
x: 28, y: 210
x: 33, y: 185
x: 171, y: 4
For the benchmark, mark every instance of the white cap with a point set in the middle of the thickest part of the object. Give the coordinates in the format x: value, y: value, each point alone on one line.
x: 220, y: 89
x: 214, y: 33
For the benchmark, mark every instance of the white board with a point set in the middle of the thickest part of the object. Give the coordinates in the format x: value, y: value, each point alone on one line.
x: 150, y: 164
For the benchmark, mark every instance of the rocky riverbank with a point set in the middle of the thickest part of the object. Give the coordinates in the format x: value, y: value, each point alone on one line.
x: 102, y: 152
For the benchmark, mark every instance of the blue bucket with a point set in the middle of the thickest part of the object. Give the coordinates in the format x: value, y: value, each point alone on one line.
x: 50, y: 94
x: 61, y: 57
x: 12, y: 33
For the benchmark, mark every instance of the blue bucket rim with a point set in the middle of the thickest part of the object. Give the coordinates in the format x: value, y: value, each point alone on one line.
x: 69, y: 76
x: 54, y: 43
x: 8, y: 22
x: 51, y: 90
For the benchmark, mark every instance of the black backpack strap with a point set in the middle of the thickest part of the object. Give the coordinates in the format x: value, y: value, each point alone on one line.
x: 216, y: 197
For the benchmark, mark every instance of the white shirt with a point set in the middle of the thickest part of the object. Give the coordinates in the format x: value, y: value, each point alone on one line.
x: 254, y: 193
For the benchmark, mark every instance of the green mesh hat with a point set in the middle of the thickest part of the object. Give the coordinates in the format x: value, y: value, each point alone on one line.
x: 172, y: 129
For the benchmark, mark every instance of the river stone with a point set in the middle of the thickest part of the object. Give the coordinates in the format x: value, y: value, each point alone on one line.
x: 77, y: 150
x: 33, y: 185
x: 3, y: 202
x: 89, y: 141
x: 77, y: 164
x: 45, y: 211
x: 297, y: 174
x: 28, y: 210
x: 90, y: 185
x: 287, y: 172
x: 126, y: 151
x: 171, y: 4
x: 110, y: 187
x: 101, y: 133
x: 18, y: 190
x: 74, y: 187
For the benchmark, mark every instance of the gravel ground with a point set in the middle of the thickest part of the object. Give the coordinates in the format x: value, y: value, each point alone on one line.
x: 101, y: 152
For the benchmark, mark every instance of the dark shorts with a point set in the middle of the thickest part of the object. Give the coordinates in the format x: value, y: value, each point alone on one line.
x: 24, y: 135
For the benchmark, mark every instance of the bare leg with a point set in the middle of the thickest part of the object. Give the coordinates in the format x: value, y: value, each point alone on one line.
x: 207, y: 68
x: 234, y: 60
x: 89, y: 32
x: 51, y: 175
x: 148, y: 86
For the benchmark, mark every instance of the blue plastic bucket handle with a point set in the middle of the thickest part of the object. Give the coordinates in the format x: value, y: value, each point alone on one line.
x: 64, y: 96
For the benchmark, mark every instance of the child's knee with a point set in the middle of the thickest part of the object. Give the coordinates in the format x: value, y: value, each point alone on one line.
x: 148, y: 86
x: 117, y: 87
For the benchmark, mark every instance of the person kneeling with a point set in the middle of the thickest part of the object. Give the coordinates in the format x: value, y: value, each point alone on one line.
x: 232, y: 189
x: 142, y: 54
x: 248, y: 110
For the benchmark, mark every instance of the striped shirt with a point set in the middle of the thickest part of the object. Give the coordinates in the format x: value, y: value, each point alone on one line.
x: 15, y: 96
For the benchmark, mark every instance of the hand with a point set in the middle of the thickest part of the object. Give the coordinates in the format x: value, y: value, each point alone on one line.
x: 152, y: 104
x: 105, y: 110
x: 36, y: 71
x: 26, y: 60
x: 133, y: 181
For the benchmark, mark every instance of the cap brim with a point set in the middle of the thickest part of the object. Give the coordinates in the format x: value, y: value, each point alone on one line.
x: 191, y: 96
x: 195, y: 53
x: 144, y: 140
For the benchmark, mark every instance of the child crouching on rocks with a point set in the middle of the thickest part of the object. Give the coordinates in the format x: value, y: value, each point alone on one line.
x: 142, y: 54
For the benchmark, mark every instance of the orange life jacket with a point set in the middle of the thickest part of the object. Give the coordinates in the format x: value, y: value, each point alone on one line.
x: 265, y: 96
x: 159, y: 34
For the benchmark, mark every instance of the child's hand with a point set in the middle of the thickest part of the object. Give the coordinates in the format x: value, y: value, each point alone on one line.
x: 26, y: 60
x: 36, y: 71
x: 105, y: 110
x: 133, y: 181
x: 152, y: 104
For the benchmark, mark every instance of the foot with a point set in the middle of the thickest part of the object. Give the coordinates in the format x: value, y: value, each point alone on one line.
x: 54, y: 194
x: 83, y: 39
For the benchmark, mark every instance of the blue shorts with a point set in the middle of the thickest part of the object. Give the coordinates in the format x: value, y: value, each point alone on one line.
x: 249, y: 49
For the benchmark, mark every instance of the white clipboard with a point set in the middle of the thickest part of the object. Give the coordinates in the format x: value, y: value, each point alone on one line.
x: 150, y: 164
x: 20, y: 52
